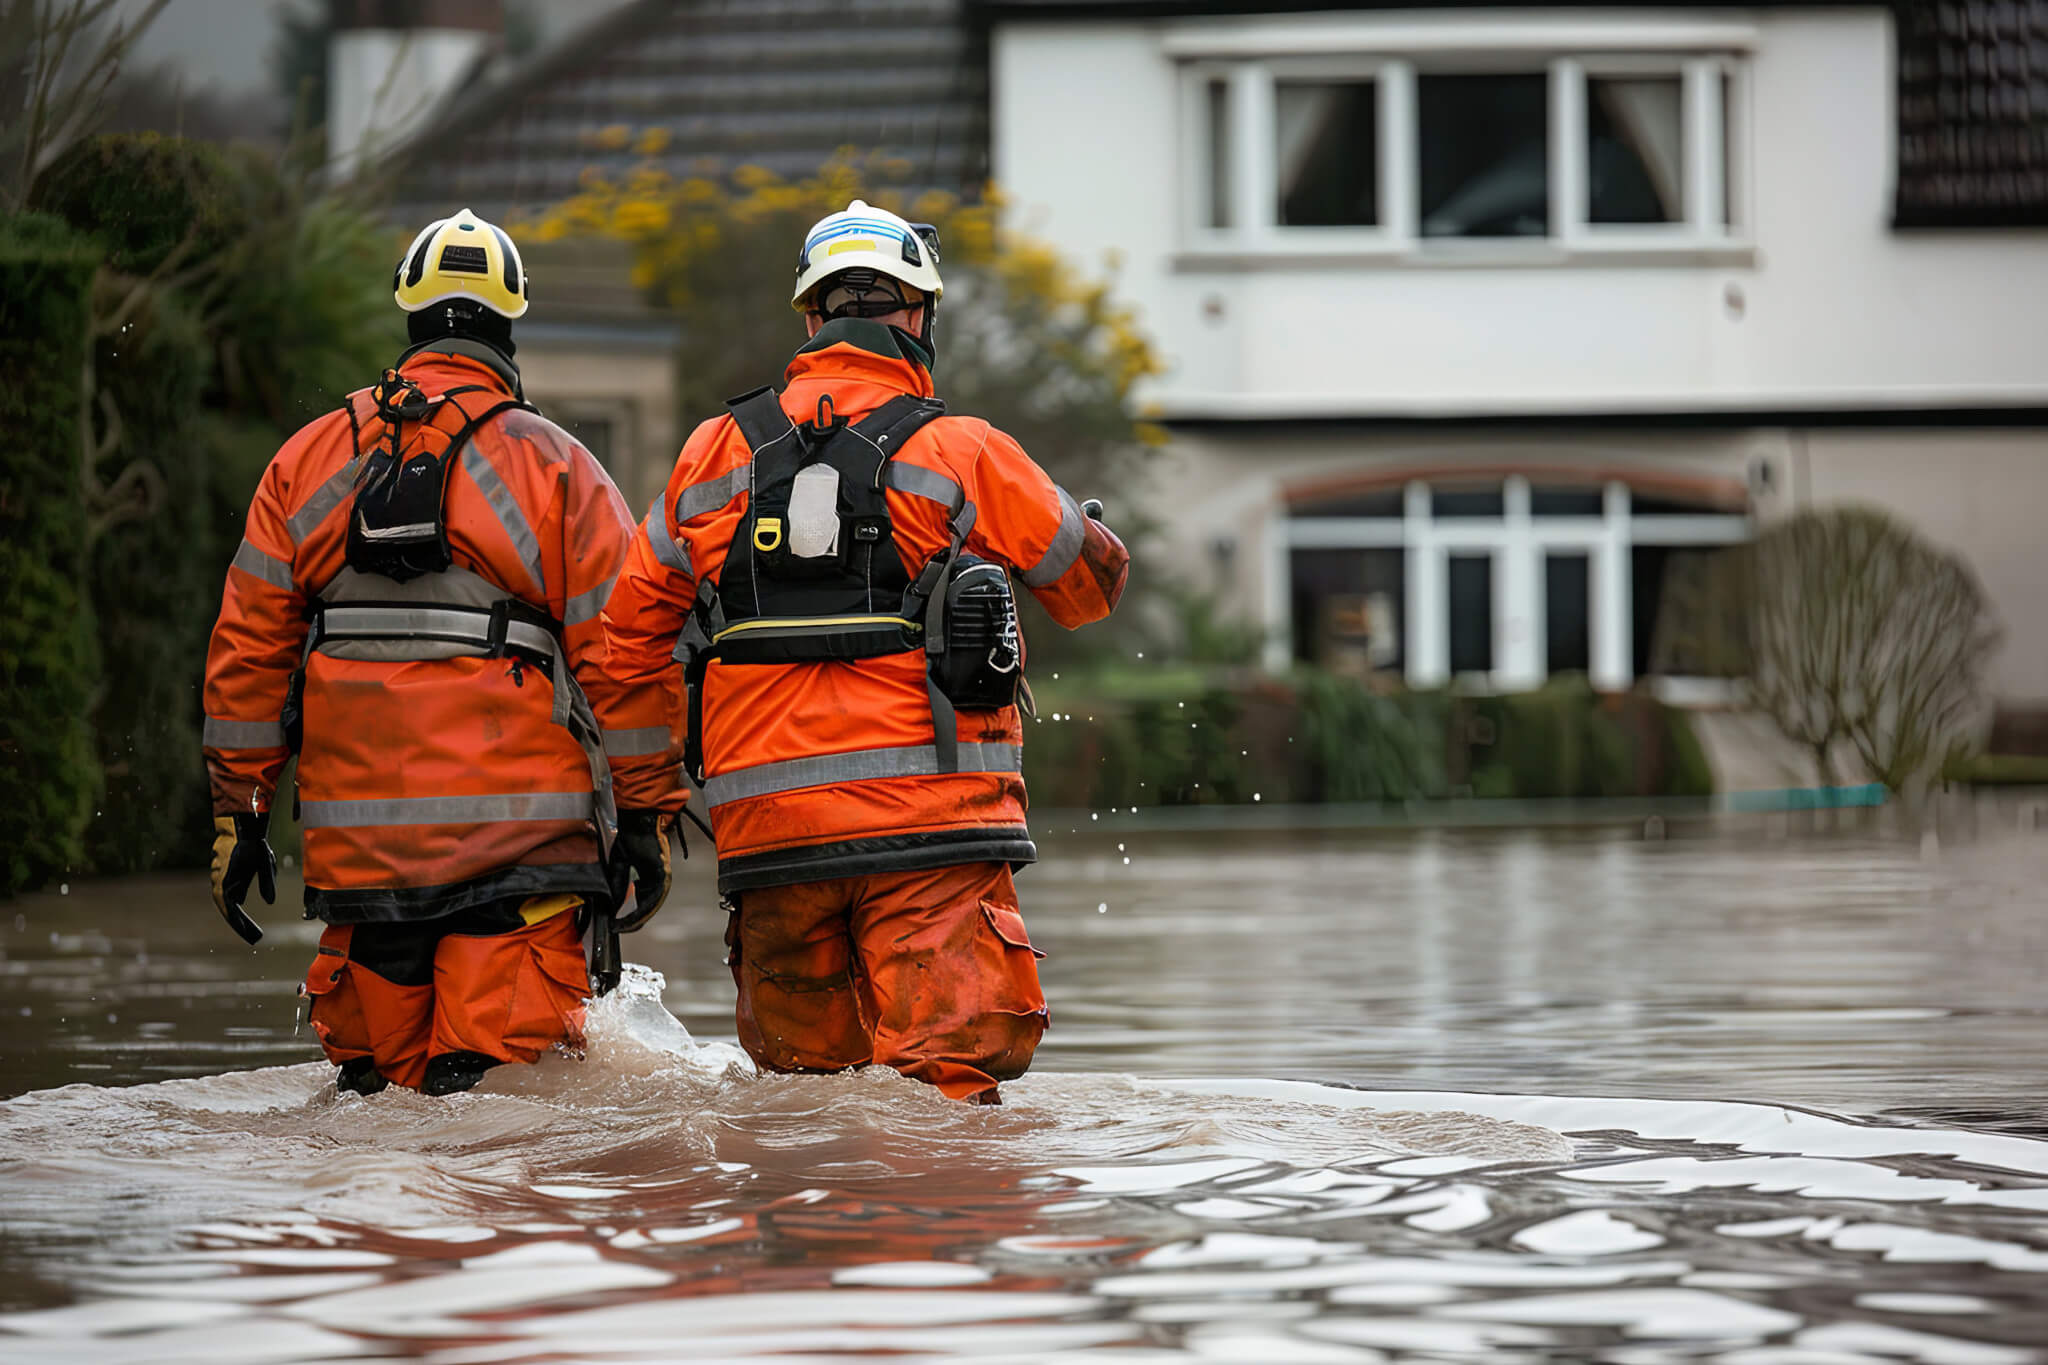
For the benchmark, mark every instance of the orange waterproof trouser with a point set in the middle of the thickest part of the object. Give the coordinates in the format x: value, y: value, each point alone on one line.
x: 928, y: 972
x: 402, y: 993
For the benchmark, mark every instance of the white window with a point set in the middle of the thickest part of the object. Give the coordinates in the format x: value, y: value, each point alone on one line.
x: 1444, y: 155
x: 1493, y: 581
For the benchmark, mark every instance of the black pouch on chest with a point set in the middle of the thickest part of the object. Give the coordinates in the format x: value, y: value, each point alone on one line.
x: 397, y: 523
x: 818, y: 511
x: 397, y: 528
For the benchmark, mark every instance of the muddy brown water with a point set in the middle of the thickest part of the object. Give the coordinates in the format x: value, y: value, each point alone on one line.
x: 1309, y: 1096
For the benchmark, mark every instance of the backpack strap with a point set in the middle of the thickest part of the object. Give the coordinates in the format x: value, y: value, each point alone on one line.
x: 759, y: 416
x: 889, y: 427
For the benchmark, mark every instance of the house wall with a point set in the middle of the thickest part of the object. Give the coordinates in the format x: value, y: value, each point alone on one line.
x: 1814, y: 302
x: 1820, y: 302
x: 630, y: 387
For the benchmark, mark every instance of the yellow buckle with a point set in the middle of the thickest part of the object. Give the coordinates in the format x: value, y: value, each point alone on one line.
x: 768, y: 534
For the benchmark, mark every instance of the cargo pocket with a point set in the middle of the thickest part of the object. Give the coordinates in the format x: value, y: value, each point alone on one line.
x: 335, y: 1007
x: 549, y: 987
x: 1009, y: 926
x: 1013, y: 1014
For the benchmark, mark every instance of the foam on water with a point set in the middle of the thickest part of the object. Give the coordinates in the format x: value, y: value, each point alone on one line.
x: 659, y: 1191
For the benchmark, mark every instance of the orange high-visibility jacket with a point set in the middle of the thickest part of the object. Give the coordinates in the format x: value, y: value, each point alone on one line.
x: 821, y: 770
x: 434, y: 773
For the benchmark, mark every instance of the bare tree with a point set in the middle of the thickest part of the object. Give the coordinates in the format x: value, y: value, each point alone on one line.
x: 1865, y: 637
x: 57, y: 60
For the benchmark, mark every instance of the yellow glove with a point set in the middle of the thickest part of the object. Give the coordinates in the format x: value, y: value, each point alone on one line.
x: 241, y: 854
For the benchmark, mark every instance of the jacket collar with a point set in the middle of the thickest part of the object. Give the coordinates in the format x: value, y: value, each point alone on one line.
x: 865, y: 351
x: 469, y: 360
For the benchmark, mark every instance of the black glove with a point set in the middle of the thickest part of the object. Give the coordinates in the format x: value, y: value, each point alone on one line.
x: 641, y: 852
x: 241, y: 854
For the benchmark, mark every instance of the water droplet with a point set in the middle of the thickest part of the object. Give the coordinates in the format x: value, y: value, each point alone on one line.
x: 1093, y: 816
x: 1141, y: 653
x: 1182, y: 705
x: 64, y: 888
x: 1119, y: 848
x: 1255, y: 796
x: 1127, y: 862
x: 1101, y: 909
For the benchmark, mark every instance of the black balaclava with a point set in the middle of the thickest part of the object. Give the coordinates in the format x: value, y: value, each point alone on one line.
x: 462, y: 318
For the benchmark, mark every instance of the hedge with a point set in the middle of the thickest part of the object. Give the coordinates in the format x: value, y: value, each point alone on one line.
x: 262, y: 304
x: 48, y: 666
x: 1183, y: 736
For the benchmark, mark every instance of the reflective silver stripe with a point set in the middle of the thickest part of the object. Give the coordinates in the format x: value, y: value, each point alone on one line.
x: 1065, y: 548
x: 485, y: 474
x: 862, y: 765
x: 241, y: 734
x: 447, y: 625
x: 267, y: 567
x: 323, y: 502
x: 586, y: 606
x: 663, y: 540
x: 920, y: 482
x: 468, y: 627
x: 445, y: 810
x: 713, y: 494
x: 652, y: 739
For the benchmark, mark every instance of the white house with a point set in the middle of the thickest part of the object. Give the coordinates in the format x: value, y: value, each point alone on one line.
x: 1483, y: 326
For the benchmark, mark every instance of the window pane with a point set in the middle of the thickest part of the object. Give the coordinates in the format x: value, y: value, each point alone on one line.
x: 1565, y: 502
x: 1466, y: 502
x: 1347, y: 608
x: 1567, y: 640
x: 1216, y: 104
x: 1727, y: 151
x: 1327, y: 153
x: 1471, y: 613
x: 1635, y: 154
x: 1485, y: 155
x: 594, y: 433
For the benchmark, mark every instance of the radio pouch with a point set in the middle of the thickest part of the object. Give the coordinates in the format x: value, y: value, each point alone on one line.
x: 397, y: 525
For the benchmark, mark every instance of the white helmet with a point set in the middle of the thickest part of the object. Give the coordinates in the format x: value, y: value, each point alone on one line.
x: 864, y: 238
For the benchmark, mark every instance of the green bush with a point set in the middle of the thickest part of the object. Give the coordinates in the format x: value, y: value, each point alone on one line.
x: 1180, y: 735
x: 48, y: 774
x: 1368, y: 746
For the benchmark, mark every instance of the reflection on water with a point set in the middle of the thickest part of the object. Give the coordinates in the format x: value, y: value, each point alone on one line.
x: 658, y: 1201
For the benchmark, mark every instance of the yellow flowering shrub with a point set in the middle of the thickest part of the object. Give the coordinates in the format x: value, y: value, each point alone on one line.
x: 1024, y: 338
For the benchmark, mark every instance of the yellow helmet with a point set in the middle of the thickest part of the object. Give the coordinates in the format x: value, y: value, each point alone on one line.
x: 461, y: 258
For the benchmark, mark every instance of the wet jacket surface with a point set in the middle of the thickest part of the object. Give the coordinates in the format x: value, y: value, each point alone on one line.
x: 819, y: 770
x: 430, y: 785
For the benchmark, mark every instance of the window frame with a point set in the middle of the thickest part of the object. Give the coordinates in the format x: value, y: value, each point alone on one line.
x: 1714, y: 133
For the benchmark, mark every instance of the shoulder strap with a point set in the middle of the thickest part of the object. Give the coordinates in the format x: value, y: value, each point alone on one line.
x: 760, y: 418
x: 470, y: 424
x: 887, y: 429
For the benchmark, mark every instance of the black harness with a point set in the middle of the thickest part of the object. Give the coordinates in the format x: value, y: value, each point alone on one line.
x: 851, y: 598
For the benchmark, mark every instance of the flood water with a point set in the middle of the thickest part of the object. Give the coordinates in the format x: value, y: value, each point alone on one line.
x: 1308, y: 1096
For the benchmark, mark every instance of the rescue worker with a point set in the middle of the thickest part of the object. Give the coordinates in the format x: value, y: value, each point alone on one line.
x: 414, y: 613
x: 832, y: 567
